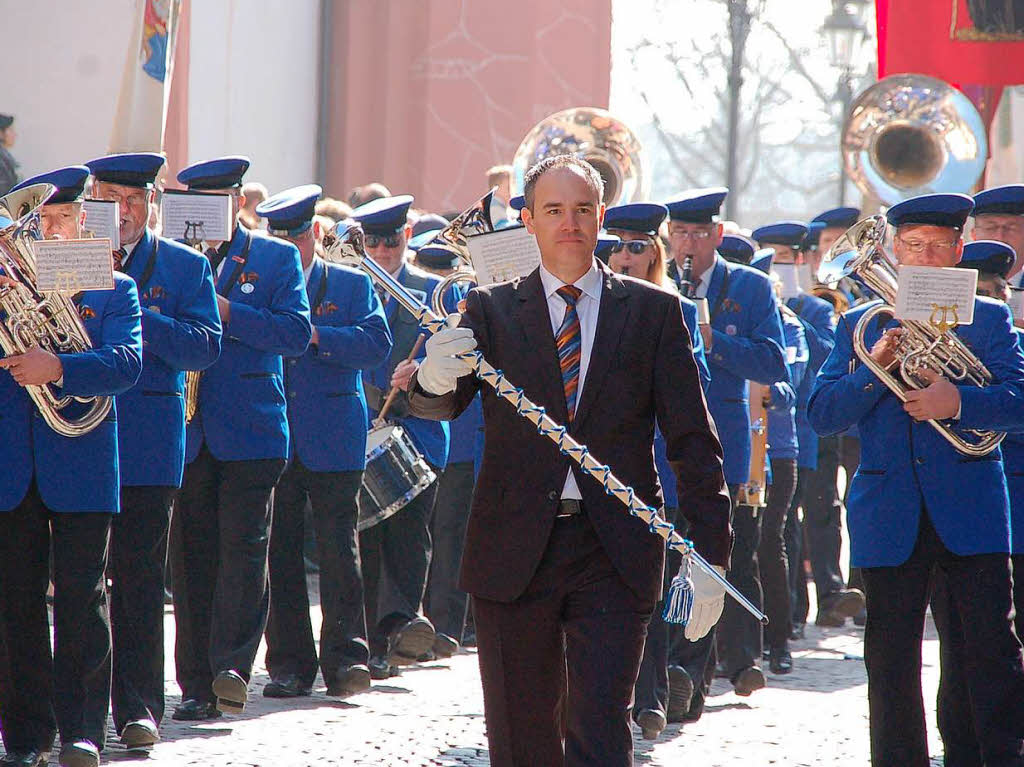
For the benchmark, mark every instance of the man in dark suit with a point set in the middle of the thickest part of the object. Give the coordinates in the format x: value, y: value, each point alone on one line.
x: 563, y: 579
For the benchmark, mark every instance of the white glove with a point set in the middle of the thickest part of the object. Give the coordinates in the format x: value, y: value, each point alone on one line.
x: 708, y: 601
x: 440, y: 370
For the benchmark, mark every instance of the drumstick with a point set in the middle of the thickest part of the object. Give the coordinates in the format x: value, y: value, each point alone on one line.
x: 379, y: 420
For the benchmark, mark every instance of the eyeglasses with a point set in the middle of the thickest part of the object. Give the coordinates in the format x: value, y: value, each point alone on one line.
x: 132, y: 200
x: 636, y: 247
x: 918, y: 246
x: 682, y: 234
x: 988, y: 230
x: 387, y: 240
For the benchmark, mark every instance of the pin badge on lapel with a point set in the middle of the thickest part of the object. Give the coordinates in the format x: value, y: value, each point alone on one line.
x: 248, y: 288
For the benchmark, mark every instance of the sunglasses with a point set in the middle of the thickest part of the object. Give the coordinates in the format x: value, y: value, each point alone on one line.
x: 387, y: 240
x: 636, y: 247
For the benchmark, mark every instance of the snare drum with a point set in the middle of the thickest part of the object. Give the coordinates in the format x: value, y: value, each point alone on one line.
x: 395, y: 474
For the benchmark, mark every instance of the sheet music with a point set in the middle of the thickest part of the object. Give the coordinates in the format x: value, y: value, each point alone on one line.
x: 103, y: 219
x: 74, y: 265
x: 1016, y: 303
x: 789, y: 278
x: 935, y: 294
x: 196, y: 216
x: 503, y: 255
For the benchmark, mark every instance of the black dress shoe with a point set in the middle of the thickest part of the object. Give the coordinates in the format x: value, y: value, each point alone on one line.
x: 835, y: 608
x: 30, y: 758
x: 651, y: 722
x: 139, y: 734
x: 409, y: 641
x: 193, y: 710
x: 797, y: 632
x: 747, y: 681
x: 861, y: 618
x: 680, y: 693
x: 780, y: 660
x: 231, y: 690
x: 381, y: 669
x: 79, y: 753
x: 444, y: 646
x: 287, y: 686
x: 349, y: 681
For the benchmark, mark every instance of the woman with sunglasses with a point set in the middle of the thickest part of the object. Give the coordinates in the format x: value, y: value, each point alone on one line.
x: 641, y: 254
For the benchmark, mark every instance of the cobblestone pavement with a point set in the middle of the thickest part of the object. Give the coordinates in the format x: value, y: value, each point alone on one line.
x: 433, y: 715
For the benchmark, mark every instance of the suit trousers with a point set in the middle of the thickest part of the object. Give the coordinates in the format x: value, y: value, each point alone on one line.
x: 395, y: 557
x: 651, y: 691
x: 333, y: 497
x: 558, y: 664
x: 823, y: 519
x: 740, y: 637
x: 220, y: 532
x: 796, y: 551
x: 138, y: 554
x: 68, y: 690
x: 979, y: 589
x: 446, y: 602
x: 1018, y: 594
x: 771, y: 553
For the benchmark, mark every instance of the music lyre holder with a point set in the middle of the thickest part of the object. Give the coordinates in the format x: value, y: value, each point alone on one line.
x: 556, y: 433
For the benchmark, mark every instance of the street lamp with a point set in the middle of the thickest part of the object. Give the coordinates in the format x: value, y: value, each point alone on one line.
x: 846, y: 32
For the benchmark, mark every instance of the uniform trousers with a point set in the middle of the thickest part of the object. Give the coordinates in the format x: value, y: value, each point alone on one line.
x: 651, y: 690
x: 979, y: 589
x: 68, y: 690
x: 220, y: 532
x: 558, y: 663
x: 823, y: 519
x: 771, y: 553
x: 796, y: 551
x: 446, y: 602
x: 740, y: 640
x: 333, y: 497
x: 138, y: 554
x: 396, y: 556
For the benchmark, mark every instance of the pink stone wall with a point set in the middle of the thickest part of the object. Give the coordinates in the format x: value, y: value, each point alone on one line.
x: 425, y: 95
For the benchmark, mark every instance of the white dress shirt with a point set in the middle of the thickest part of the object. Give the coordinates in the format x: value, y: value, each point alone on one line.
x: 587, y: 306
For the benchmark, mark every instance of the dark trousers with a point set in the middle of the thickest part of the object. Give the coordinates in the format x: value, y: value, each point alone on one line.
x: 558, y: 664
x: 771, y: 554
x: 446, y: 602
x: 138, y: 553
x: 979, y: 587
x: 796, y: 552
x: 218, y: 547
x: 68, y: 690
x: 823, y: 519
x: 290, y: 647
x: 740, y: 638
x: 1018, y: 594
x: 396, y: 556
x: 651, y: 691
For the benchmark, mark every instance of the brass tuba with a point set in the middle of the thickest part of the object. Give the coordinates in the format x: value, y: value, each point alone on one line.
x: 29, y: 318
x: 860, y: 252
x: 909, y: 135
x: 596, y: 136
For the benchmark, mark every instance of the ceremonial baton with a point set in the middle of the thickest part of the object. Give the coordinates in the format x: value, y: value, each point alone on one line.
x: 679, y: 600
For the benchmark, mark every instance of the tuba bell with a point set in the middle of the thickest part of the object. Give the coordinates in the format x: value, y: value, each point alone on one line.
x: 909, y: 135
x: 30, y: 318
x: 596, y: 136
x: 860, y: 253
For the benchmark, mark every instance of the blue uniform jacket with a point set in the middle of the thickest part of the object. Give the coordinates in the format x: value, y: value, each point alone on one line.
x: 465, y: 430
x: 241, y: 412
x: 666, y: 476
x: 782, y: 433
x: 747, y: 345
x: 326, y: 404
x: 905, y: 465
x: 1013, y: 461
x: 431, y: 437
x: 75, y: 473
x: 816, y: 315
x: 180, y: 331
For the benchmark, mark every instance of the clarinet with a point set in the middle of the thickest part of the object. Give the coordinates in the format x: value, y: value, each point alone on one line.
x: 686, y: 278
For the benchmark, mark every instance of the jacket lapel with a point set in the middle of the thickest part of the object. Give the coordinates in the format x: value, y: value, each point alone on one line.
x: 611, y: 319
x: 535, y: 320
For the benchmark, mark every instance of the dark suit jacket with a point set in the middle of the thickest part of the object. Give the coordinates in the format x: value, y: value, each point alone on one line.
x: 641, y: 368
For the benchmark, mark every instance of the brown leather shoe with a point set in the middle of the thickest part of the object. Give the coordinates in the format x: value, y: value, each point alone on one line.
x: 651, y: 722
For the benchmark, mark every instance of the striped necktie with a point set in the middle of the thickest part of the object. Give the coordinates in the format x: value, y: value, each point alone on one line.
x: 568, y: 342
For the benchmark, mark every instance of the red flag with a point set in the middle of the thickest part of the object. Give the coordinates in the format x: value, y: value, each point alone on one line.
x: 960, y: 41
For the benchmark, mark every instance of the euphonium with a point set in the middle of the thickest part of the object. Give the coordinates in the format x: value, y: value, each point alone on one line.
x: 860, y: 252
x: 29, y: 318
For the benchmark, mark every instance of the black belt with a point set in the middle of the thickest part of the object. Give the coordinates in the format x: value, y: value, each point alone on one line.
x: 569, y: 507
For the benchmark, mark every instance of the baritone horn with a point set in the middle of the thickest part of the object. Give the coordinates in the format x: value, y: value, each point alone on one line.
x: 860, y: 252
x: 31, y: 318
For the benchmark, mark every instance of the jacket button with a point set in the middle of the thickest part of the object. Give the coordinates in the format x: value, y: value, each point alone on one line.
x: 291, y: 394
x: 291, y: 362
x: 554, y: 495
x: 869, y: 386
x: 920, y: 459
